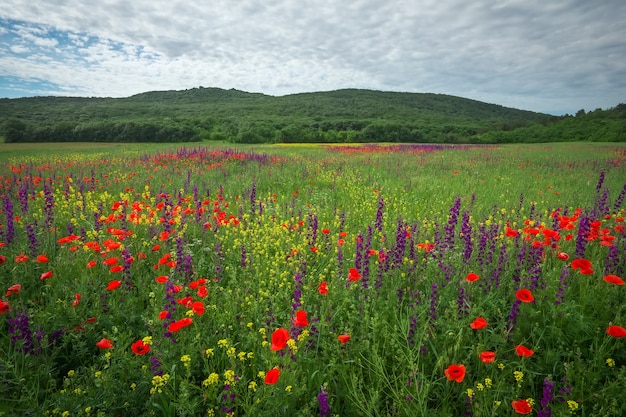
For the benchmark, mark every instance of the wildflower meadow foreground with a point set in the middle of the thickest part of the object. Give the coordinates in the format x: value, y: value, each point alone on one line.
x: 404, y: 280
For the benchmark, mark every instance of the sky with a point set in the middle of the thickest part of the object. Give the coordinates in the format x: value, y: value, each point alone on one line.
x: 551, y: 56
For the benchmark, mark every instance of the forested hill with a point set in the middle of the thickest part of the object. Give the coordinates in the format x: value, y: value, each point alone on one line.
x: 349, y: 115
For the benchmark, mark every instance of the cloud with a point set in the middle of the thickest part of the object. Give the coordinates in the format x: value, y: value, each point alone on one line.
x: 554, y: 56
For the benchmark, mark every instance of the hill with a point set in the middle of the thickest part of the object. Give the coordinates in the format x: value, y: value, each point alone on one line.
x: 349, y: 115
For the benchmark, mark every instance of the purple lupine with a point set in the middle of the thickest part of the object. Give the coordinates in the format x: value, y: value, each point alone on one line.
x: 482, y: 245
x: 466, y: 231
x: 49, y: 204
x: 297, y: 293
x: 565, y: 390
x: 400, y: 245
x: 31, y: 233
x: 497, y: 272
x: 23, y: 197
x: 244, y: 259
x: 322, y: 400
x: 548, y: 396
x: 463, y: 302
x: 155, y: 366
x: 453, y: 218
x: 253, y: 198
x: 21, y: 334
x: 600, y: 181
x: 512, y: 320
x: 9, y: 233
x: 378, y: 225
x: 559, y: 297
x: 312, y: 232
x: 581, y: 237
x: 619, y: 200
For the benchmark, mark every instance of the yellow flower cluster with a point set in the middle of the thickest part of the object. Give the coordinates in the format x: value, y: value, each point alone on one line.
x: 158, y: 381
x: 211, y: 380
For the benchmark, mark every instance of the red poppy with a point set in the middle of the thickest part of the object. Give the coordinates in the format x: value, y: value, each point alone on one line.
x: 3, y: 259
x: 300, y: 320
x: 164, y: 315
x: 177, y: 325
x: 613, y: 279
x: 105, y: 344
x: 322, y: 288
x: 580, y: 263
x: 4, y: 307
x: 455, y: 373
x: 197, y: 307
x: 117, y: 268
x: 202, y: 291
x: 521, y: 407
x: 13, y: 289
x: 524, y: 295
x: 354, y: 275
x: 21, y: 258
x: 162, y: 279
x: 616, y: 331
x: 343, y: 338
x: 563, y: 256
x: 586, y: 271
x: 511, y: 232
x: 326, y: 231
x: 471, y: 277
x: 140, y: 348
x: 279, y: 339
x: 479, y: 323
x: 487, y: 356
x: 42, y: 259
x: 114, y: 284
x: 271, y: 377
x: 91, y: 264
x: 46, y: 275
x: 523, y: 351
x: 76, y: 300
x: 110, y: 261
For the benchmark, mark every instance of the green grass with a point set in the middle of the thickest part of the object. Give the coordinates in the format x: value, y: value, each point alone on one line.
x: 253, y: 231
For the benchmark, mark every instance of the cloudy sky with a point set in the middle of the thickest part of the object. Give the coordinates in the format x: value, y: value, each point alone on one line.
x: 554, y: 56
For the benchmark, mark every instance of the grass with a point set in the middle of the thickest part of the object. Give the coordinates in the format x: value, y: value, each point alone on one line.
x: 187, y: 261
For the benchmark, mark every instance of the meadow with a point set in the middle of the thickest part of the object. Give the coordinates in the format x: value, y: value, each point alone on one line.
x: 312, y: 280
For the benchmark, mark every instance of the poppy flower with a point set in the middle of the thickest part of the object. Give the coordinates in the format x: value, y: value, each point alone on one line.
x: 580, y: 263
x: 46, y: 275
x: 455, y: 373
x: 105, y: 344
x: 326, y: 231
x: 91, y: 264
x: 524, y: 295
x: 162, y: 279
x: 13, y: 289
x: 471, y: 277
x: 354, y: 275
x: 322, y: 288
x: 3, y: 259
x: 117, y: 268
x: 613, y: 279
x: 523, y: 351
x: 164, y: 315
x: 110, y: 261
x: 197, y: 307
x: 76, y: 300
x: 202, y: 291
x: 279, y: 339
x: 479, y: 323
x: 563, y: 256
x: 42, y: 259
x: 21, y: 258
x: 300, y: 320
x: 587, y: 271
x: 521, y: 407
x: 343, y: 338
x: 487, y: 356
x: 271, y: 377
x: 616, y: 331
x: 114, y: 284
x: 4, y: 307
x: 140, y: 348
x: 177, y: 325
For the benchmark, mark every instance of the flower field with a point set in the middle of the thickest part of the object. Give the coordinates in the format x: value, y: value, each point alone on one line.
x: 399, y: 280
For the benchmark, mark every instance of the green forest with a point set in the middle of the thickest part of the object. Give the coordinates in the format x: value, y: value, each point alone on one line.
x: 343, y: 116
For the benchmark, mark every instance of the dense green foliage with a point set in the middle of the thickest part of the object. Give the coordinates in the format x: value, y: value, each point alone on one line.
x: 344, y: 116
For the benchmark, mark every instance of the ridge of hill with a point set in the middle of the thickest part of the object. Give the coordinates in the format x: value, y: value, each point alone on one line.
x: 346, y: 115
